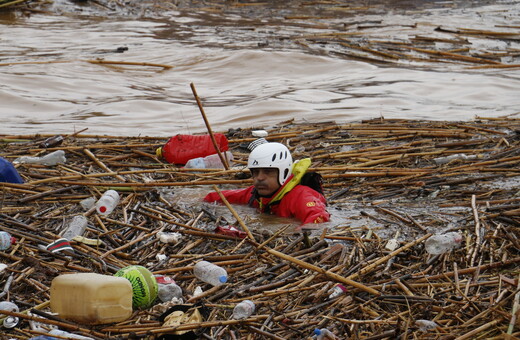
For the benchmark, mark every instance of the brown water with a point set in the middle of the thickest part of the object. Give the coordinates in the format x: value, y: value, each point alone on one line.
x: 253, y: 66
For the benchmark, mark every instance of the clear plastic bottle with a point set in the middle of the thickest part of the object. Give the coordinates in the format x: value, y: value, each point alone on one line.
x: 337, y: 291
x: 442, y: 243
x: 243, y: 310
x: 169, y: 291
x: 50, y: 159
x: 88, y: 203
x: 76, y: 227
x: 209, y: 162
x: 170, y: 238
x: 107, y: 203
x: 444, y: 160
x: 68, y: 335
x: 8, y: 172
x: 6, y: 240
x: 210, y: 273
x: 425, y: 325
x: 324, y: 333
x: 259, y: 133
x: 9, y: 321
x: 52, y: 141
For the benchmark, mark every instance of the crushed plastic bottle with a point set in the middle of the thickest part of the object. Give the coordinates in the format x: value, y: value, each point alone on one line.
x: 337, y: 291
x: 210, y: 273
x: 243, y: 310
x: 259, y: 133
x: 6, y: 240
x: 425, y: 325
x: 324, y: 333
x: 52, y: 141
x: 76, y: 227
x: 68, y: 335
x: 50, y: 159
x: 9, y: 321
x: 169, y: 238
x: 169, y: 291
x: 444, y: 160
x: 181, y: 148
x: 8, y: 172
x: 108, y: 202
x: 441, y: 243
x: 209, y: 162
x: 87, y: 203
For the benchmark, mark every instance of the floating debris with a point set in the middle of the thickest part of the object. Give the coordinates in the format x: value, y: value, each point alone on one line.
x: 382, y: 171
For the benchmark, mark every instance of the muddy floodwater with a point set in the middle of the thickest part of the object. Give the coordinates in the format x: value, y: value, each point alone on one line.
x: 253, y: 64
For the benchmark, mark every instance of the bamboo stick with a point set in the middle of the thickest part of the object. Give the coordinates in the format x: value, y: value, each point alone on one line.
x: 208, y: 126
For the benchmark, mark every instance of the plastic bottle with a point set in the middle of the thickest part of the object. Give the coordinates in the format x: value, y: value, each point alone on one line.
x: 209, y: 162
x: 444, y: 160
x: 337, y: 291
x: 169, y: 291
x: 67, y: 335
x: 9, y: 321
x: 170, y: 238
x: 91, y: 298
x: 425, y: 325
x: 87, y: 203
x: 324, y: 333
x: 107, y: 203
x: 52, y: 141
x: 6, y: 240
x: 259, y: 133
x: 243, y: 310
x: 181, y: 148
x: 50, y: 159
x: 76, y: 227
x: 210, y: 273
x: 8, y: 172
x: 442, y: 243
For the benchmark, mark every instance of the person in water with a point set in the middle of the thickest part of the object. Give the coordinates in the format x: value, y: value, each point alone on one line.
x: 280, y: 187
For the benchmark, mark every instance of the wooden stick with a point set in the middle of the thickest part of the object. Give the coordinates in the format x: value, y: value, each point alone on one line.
x: 101, y: 164
x: 389, y: 256
x: 470, y: 334
x: 296, y: 261
x: 133, y: 63
x: 199, y: 103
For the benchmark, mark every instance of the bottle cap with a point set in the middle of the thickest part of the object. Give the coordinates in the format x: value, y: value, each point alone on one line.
x: 158, y: 152
x: 317, y: 331
x: 223, y: 279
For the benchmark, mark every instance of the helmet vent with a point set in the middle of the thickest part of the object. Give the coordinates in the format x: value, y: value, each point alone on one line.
x: 274, y: 157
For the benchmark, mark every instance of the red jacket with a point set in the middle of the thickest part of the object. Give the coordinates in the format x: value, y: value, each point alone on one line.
x: 302, y: 202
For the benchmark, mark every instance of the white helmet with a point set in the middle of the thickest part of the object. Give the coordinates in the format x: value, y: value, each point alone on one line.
x: 272, y: 155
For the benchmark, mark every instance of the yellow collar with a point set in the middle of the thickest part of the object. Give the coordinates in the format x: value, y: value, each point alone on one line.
x: 298, y: 170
